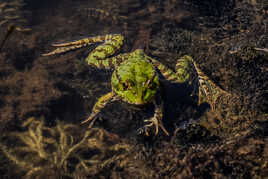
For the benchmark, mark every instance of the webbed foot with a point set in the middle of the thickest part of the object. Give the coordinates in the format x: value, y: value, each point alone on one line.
x: 111, y: 43
x: 92, y: 118
x: 154, y: 121
x: 208, y: 91
x: 70, y: 45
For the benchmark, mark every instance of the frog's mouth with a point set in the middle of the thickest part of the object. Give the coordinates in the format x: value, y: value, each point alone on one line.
x: 137, y: 105
x: 138, y: 101
x: 142, y: 103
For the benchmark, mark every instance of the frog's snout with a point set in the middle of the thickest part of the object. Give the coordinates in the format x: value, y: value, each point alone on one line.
x: 139, y: 101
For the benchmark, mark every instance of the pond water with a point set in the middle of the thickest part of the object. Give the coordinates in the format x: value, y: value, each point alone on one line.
x: 217, y: 121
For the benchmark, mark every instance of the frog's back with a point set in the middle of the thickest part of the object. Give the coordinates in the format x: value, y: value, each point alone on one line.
x: 136, y: 63
x: 135, y: 80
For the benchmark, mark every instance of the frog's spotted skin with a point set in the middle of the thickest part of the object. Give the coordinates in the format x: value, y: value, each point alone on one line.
x: 208, y: 90
x: 135, y: 78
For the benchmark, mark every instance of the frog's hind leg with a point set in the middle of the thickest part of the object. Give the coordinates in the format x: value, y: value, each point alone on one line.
x: 71, y: 45
x: 183, y: 72
x: 101, y: 103
x: 187, y: 71
x: 208, y: 91
x: 99, y: 56
x: 167, y: 73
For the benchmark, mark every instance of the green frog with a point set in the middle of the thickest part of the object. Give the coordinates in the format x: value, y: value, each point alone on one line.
x: 136, y: 77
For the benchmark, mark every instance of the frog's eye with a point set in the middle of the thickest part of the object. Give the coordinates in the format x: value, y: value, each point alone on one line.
x: 127, y: 85
x: 150, y: 83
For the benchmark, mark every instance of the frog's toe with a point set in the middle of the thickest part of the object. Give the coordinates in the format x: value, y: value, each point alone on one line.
x: 151, y: 122
x: 63, y: 49
x: 154, y: 121
x: 91, y: 119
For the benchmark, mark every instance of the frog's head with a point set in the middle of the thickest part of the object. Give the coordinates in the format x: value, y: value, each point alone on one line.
x: 135, y: 80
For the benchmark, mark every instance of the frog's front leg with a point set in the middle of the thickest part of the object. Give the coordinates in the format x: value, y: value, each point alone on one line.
x: 155, y: 121
x: 99, y: 56
x: 102, y: 101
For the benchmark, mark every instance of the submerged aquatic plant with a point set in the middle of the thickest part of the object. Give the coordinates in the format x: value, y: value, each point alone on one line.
x: 62, y: 150
x: 11, y: 12
x: 12, y: 17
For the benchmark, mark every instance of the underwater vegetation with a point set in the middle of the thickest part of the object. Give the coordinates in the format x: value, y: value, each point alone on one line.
x: 11, y: 12
x: 61, y: 150
x: 134, y: 16
x: 228, y: 142
x: 13, y: 18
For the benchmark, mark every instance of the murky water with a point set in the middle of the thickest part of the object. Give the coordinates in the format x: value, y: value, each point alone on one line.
x: 43, y: 100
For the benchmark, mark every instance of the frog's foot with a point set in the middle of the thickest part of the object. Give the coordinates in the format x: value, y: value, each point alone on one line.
x: 101, y: 103
x: 211, y: 93
x: 68, y: 46
x: 111, y: 39
x: 92, y: 118
x: 72, y: 45
x: 207, y: 90
x: 154, y: 121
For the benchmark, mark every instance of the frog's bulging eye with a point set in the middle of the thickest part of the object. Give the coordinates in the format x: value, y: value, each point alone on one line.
x: 127, y: 85
x: 151, y: 85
